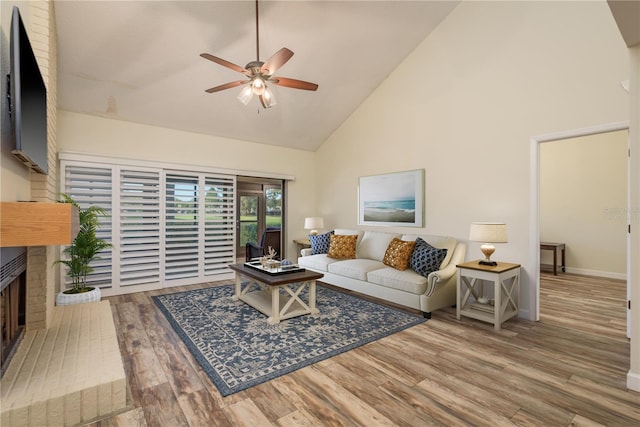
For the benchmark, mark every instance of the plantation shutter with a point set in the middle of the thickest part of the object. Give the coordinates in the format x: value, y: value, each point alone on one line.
x: 92, y: 186
x: 199, y: 225
x: 167, y: 227
x: 182, y: 229
x: 219, y: 227
x: 139, y: 219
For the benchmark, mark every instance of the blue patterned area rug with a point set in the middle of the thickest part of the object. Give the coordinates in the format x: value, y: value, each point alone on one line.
x: 238, y: 349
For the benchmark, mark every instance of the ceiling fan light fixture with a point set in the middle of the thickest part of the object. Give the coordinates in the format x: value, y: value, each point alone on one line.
x: 258, y: 85
x: 246, y: 94
x: 259, y: 73
x: 269, y: 99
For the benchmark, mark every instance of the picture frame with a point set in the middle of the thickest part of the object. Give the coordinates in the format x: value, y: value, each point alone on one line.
x: 392, y: 199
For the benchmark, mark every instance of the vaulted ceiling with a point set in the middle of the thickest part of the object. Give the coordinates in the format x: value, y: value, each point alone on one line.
x: 139, y: 61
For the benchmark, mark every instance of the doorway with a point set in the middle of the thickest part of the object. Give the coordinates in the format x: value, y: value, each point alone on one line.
x: 535, y: 203
x: 583, y: 200
x: 260, y: 204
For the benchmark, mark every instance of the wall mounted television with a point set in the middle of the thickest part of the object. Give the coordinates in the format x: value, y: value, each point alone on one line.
x: 27, y: 100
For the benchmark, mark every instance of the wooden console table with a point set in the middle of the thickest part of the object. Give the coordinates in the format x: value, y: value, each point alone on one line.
x: 302, y: 243
x: 555, y: 247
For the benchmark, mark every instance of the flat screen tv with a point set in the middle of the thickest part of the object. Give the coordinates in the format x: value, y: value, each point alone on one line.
x: 27, y: 100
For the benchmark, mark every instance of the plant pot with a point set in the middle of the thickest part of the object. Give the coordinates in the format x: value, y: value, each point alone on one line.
x: 68, y: 299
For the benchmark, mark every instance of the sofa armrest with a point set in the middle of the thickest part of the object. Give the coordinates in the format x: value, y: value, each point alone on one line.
x: 445, y: 273
x: 449, y: 270
x: 305, y: 252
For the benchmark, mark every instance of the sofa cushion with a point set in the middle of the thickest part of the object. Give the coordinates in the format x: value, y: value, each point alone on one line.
x: 405, y: 280
x: 440, y: 242
x: 425, y: 258
x: 355, y: 268
x: 342, y: 246
x: 374, y: 244
x: 320, y: 243
x: 319, y: 262
x: 346, y: 232
x: 398, y: 253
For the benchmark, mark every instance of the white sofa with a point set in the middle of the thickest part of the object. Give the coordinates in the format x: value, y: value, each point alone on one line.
x: 368, y: 274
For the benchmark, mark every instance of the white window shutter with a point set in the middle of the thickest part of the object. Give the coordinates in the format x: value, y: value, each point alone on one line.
x: 182, y: 226
x: 139, y: 219
x: 219, y: 227
x: 92, y: 186
x: 167, y: 228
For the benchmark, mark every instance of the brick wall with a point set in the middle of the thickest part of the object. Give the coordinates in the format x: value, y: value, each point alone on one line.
x: 41, y: 277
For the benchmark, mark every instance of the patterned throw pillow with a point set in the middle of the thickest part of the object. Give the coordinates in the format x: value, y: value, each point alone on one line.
x: 425, y: 258
x: 320, y: 243
x: 398, y: 254
x: 342, y: 247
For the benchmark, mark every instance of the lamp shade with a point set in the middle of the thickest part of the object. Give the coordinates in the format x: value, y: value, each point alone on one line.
x: 313, y: 223
x: 488, y: 232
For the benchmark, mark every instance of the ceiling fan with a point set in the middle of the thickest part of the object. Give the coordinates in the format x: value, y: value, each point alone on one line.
x: 258, y: 74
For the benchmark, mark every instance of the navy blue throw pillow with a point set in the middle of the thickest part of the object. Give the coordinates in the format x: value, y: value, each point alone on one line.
x: 425, y: 258
x: 320, y: 243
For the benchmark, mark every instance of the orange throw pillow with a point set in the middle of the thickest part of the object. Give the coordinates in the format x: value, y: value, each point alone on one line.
x: 342, y: 247
x: 398, y: 254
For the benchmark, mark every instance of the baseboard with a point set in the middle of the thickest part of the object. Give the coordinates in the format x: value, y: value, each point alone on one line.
x: 633, y: 381
x: 524, y: 314
x: 597, y: 273
x: 585, y: 272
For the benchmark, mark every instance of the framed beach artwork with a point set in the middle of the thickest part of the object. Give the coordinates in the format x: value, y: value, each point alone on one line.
x: 393, y: 199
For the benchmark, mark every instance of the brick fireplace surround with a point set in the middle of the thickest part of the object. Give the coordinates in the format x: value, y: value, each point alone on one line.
x: 67, y: 369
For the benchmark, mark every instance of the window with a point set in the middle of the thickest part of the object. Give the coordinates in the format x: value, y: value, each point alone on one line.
x: 93, y: 186
x: 167, y: 227
x: 139, y: 227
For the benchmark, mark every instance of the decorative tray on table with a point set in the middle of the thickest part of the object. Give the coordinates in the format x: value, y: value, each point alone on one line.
x: 275, y: 269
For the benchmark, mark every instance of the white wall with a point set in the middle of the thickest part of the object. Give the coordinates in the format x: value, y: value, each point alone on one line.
x: 464, y: 105
x: 86, y: 134
x: 583, y: 202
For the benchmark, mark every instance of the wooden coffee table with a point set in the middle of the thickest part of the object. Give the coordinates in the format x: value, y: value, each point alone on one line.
x: 269, y: 300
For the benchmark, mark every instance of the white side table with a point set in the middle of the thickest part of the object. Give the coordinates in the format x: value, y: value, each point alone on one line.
x: 506, y: 290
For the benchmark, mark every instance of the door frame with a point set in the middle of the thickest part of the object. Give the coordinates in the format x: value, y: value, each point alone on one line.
x: 257, y: 186
x: 534, y: 203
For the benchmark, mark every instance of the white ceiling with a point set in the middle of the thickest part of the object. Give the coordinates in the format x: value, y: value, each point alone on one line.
x: 139, y: 61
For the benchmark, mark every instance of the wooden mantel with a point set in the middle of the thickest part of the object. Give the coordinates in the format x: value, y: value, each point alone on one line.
x: 37, y: 224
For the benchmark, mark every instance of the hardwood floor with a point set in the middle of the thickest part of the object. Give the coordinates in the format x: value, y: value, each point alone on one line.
x: 569, y: 369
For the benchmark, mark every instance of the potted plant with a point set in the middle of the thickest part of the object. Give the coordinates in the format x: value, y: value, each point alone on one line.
x: 83, y: 250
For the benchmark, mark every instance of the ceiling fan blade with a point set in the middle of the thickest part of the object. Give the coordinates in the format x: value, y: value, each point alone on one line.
x: 224, y: 63
x: 276, y: 61
x: 227, y: 86
x: 293, y: 83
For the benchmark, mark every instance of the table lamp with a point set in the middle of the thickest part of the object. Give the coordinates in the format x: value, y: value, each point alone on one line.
x: 487, y: 233
x: 313, y: 223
